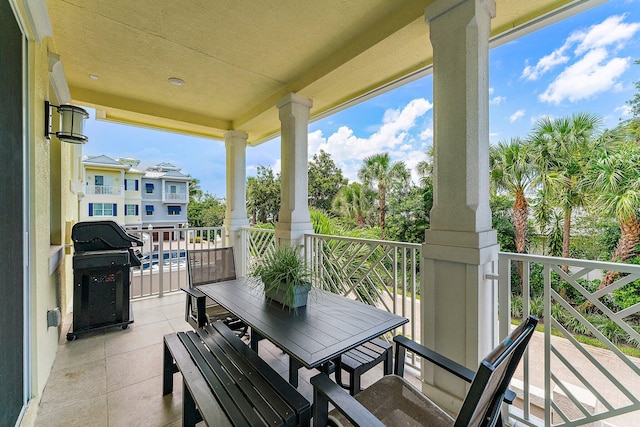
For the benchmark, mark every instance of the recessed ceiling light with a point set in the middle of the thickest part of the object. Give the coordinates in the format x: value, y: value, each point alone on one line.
x: 93, y: 77
x: 176, y: 81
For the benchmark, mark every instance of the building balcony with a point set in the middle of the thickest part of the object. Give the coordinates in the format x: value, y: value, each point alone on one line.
x: 174, y: 197
x: 102, y: 190
x: 561, y: 381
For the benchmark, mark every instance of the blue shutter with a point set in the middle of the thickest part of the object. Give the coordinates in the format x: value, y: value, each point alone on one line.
x: 90, y: 209
x: 125, y: 184
x: 137, y: 205
x: 136, y: 187
x: 115, y: 209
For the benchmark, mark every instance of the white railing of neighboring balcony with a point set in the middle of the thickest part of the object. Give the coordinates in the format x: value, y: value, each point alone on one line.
x: 103, y: 189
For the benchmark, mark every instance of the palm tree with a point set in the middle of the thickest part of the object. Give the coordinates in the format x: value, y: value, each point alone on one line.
x: 354, y: 201
x: 379, y: 171
x: 561, y: 148
x: 615, y: 178
x: 512, y: 170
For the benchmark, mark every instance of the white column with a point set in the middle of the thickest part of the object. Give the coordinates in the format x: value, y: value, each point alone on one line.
x: 294, y: 220
x: 458, y: 304
x: 235, y: 216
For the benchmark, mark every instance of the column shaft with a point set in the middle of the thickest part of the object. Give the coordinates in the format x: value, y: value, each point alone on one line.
x: 294, y: 220
x: 459, y: 308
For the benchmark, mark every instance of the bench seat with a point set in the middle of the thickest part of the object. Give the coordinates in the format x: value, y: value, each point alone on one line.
x: 226, y: 383
x: 362, y: 358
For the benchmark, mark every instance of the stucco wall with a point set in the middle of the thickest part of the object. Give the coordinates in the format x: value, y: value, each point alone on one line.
x: 44, y: 285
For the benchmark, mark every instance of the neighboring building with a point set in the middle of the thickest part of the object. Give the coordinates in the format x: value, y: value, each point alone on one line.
x: 165, y: 196
x: 114, y: 189
x: 103, y: 189
x: 132, y: 193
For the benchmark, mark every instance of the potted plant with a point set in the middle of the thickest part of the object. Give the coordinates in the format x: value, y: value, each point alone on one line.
x: 285, y: 275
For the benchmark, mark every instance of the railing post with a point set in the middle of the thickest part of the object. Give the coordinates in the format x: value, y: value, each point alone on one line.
x: 160, y: 262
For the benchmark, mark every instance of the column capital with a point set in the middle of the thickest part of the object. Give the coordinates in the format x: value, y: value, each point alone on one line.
x: 235, y: 134
x: 440, y: 7
x: 294, y: 98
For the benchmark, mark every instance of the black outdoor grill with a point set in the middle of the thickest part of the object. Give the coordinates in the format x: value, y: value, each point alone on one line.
x: 102, y: 261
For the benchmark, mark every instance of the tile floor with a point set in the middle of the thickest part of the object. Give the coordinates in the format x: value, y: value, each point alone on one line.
x: 114, y: 377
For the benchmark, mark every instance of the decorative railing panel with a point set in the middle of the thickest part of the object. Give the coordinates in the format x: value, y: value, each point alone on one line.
x: 258, y: 243
x: 381, y: 273
x: 563, y: 381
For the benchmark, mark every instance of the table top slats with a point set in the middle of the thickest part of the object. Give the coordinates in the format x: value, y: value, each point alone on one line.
x: 328, y: 326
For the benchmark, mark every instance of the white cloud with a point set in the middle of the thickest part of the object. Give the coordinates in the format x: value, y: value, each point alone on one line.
x: 515, y: 116
x: 611, y: 31
x: 624, y: 110
x: 546, y: 63
x: 277, y: 166
x: 395, y: 135
x: 594, y: 68
x: 589, y: 76
x: 497, y: 100
x: 426, y: 134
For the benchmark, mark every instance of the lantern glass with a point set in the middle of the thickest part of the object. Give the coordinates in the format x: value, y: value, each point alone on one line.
x: 72, y: 124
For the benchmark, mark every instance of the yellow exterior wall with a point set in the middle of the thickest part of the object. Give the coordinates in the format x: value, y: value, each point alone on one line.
x: 44, y: 286
x: 52, y: 183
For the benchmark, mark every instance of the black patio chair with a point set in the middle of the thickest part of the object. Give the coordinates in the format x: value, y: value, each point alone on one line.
x: 392, y: 401
x: 207, y: 266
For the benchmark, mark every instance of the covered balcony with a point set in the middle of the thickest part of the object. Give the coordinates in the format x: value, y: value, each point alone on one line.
x: 245, y: 73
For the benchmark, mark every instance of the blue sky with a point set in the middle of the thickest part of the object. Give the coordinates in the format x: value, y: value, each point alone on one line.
x: 584, y: 63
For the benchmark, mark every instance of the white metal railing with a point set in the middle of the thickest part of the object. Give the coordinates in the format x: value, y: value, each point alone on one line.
x: 175, y: 197
x: 257, y: 242
x: 562, y: 381
x: 164, y: 266
x: 103, y: 189
x: 378, y: 272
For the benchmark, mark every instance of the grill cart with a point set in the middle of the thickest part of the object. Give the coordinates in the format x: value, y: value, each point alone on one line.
x: 102, y: 261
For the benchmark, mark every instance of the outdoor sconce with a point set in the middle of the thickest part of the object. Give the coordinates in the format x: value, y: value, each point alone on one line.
x: 71, y: 123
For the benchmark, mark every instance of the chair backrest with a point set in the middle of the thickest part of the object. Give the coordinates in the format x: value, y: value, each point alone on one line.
x: 210, y: 265
x: 481, y: 406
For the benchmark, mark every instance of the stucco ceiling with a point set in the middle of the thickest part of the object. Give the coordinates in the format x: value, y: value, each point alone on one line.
x: 239, y: 57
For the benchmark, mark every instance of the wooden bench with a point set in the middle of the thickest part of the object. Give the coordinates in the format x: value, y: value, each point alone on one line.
x: 226, y: 383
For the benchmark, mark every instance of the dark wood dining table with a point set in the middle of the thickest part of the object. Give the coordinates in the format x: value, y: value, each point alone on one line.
x: 314, y: 335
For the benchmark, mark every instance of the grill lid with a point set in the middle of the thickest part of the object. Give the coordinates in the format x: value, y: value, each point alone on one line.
x: 100, y: 236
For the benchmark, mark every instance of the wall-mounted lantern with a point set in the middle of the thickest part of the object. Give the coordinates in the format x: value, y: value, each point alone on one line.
x: 71, y: 123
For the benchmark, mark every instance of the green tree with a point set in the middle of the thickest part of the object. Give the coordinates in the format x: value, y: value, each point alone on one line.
x: 615, y: 179
x: 195, y: 192
x: 379, y: 172
x: 502, y: 221
x: 561, y: 148
x: 355, y: 202
x: 512, y: 170
x: 633, y: 123
x: 325, y: 180
x: 205, y: 211
x: 408, y: 216
x: 263, y: 196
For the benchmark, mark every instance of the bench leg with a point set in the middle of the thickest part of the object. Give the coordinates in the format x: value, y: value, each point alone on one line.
x: 189, y: 412
x: 167, y: 372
